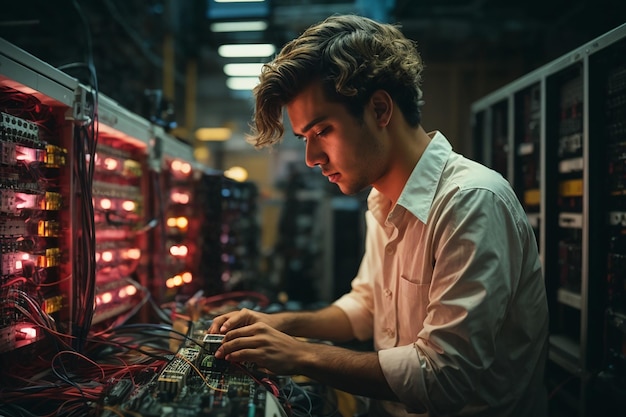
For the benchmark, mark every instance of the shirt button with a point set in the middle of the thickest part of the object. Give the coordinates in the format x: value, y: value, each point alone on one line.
x: 390, y: 250
x: 387, y: 292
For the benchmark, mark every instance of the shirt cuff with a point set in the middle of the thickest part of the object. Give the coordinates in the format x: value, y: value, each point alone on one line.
x: 403, y: 371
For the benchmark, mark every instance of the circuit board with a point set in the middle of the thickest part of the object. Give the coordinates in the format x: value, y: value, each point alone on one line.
x: 194, y: 383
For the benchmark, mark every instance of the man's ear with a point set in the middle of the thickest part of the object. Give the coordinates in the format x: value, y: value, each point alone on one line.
x: 383, y: 107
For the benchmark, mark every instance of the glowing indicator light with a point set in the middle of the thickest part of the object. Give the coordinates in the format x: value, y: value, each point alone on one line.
x: 182, y: 222
x: 170, y: 283
x: 107, y: 297
x: 107, y: 256
x: 131, y: 290
x: 106, y: 204
x: 179, y: 250
x: 185, y: 168
x: 129, y: 205
x: 30, y: 199
x: 110, y: 164
x: 178, y: 280
x: 18, y: 264
x: 122, y: 293
x: 133, y: 253
x: 187, y: 277
x: 171, y: 222
x: 28, y: 332
x: 180, y: 198
x: 25, y: 154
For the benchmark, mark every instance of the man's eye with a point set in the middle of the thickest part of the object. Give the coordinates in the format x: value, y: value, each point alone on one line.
x: 301, y: 138
x: 322, y: 132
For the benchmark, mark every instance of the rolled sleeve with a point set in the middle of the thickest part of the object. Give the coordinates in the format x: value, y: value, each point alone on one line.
x: 402, y: 369
x: 360, y: 318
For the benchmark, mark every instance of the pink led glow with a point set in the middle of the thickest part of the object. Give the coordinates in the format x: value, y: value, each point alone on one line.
x: 23, y: 200
x: 180, y: 198
x: 179, y: 250
x: 29, y: 332
x: 106, y: 204
x: 175, y: 165
x: 107, y: 256
x: 25, y: 154
x: 185, y: 168
x: 180, y: 167
x: 133, y: 253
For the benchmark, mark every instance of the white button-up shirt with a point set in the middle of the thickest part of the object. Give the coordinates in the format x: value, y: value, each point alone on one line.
x: 451, y: 290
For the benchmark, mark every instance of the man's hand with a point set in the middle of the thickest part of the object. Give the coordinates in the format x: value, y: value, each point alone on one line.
x: 265, y: 346
x: 244, y: 317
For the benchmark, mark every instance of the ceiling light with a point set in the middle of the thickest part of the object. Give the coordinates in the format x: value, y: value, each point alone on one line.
x: 243, y: 70
x: 242, y: 83
x: 246, y: 50
x: 252, y: 26
x: 239, y: 1
x: 213, y: 133
x: 236, y: 173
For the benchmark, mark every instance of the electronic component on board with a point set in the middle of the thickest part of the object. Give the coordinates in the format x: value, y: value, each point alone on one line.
x: 174, y: 375
x: 211, y: 342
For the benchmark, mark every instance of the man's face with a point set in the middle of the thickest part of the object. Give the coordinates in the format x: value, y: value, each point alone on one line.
x: 351, y: 154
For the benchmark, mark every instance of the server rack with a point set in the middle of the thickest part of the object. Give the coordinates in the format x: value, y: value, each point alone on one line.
x: 36, y: 128
x: 78, y: 203
x: 564, y: 133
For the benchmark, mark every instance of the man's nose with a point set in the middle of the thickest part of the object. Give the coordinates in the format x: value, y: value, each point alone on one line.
x: 314, y: 155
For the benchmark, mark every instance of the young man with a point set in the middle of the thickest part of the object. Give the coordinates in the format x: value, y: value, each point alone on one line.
x: 450, y: 287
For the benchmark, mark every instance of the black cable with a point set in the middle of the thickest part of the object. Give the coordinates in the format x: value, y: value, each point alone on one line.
x: 85, y: 144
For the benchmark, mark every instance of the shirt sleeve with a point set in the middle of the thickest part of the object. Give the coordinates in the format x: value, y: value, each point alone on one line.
x: 477, y: 250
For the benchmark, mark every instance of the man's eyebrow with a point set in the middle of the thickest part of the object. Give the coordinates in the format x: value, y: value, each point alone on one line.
x: 310, y: 125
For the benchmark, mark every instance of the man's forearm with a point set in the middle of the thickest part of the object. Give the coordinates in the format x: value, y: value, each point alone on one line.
x: 354, y: 372
x: 329, y: 323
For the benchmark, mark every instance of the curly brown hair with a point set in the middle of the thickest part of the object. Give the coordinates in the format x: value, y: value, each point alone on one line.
x: 353, y: 56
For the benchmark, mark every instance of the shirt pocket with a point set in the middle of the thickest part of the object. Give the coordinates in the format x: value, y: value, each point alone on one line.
x: 412, y: 307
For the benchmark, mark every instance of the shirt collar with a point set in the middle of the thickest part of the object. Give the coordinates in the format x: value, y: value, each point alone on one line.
x: 419, y: 191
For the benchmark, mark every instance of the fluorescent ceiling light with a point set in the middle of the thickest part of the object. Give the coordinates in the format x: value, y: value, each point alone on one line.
x: 252, y: 26
x: 236, y: 173
x: 246, y: 50
x: 242, y: 83
x: 243, y: 70
x: 213, y: 133
x: 239, y: 1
